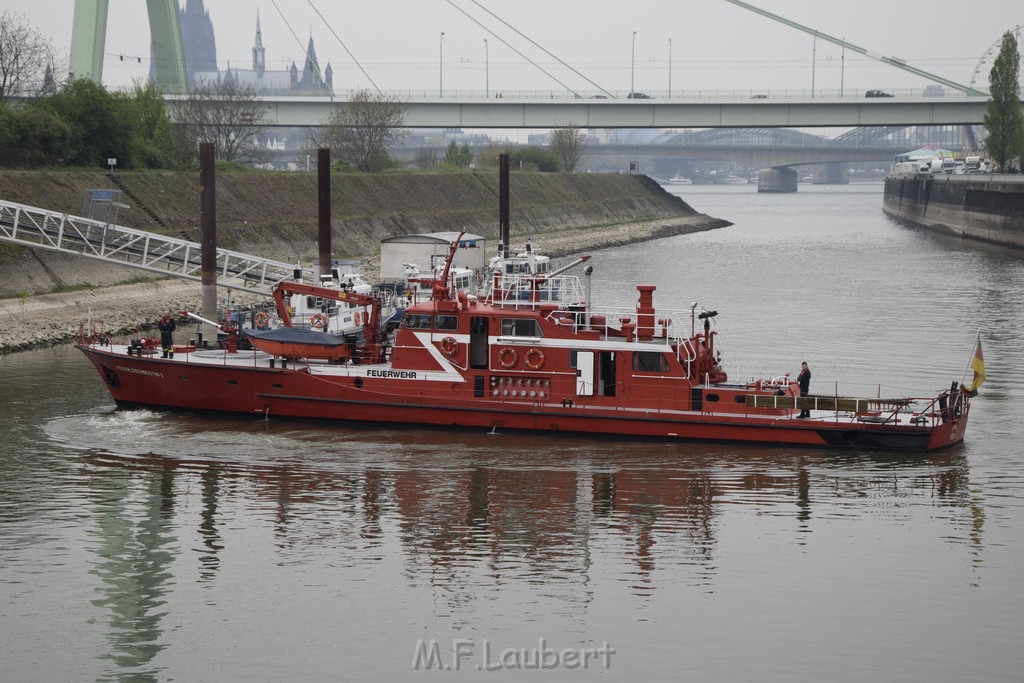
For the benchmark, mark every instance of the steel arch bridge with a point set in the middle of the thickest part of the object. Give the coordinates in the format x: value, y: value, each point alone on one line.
x: 747, y: 137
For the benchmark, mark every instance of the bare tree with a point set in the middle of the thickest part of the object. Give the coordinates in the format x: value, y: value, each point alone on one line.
x: 360, y: 131
x: 230, y: 116
x: 24, y: 56
x: 568, y: 143
x: 426, y: 157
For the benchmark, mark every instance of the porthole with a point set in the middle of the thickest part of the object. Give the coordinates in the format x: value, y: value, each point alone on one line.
x: 711, y: 398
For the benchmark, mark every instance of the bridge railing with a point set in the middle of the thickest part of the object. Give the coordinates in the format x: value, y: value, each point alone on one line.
x: 462, y: 95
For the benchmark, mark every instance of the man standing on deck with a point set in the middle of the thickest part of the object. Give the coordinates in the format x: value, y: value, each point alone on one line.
x: 804, y: 380
x: 167, y: 327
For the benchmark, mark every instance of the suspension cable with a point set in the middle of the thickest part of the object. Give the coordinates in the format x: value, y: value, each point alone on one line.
x: 349, y: 52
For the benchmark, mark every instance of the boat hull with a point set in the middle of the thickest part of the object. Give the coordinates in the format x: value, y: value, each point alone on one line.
x: 250, y: 388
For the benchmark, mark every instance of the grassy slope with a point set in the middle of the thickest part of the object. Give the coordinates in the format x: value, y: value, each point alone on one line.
x: 275, y: 214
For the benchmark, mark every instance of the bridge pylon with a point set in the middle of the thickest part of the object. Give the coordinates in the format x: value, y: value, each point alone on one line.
x: 89, y: 37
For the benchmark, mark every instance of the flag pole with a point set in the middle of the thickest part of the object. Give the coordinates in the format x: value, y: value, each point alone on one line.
x: 977, y: 364
x: 974, y: 349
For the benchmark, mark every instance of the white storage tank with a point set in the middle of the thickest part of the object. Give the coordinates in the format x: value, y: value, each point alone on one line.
x: 428, y: 250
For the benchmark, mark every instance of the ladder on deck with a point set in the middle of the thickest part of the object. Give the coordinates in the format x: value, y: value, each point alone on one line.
x: 29, y: 226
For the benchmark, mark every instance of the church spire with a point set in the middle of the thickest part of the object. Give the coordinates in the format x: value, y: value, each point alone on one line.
x: 259, y: 56
x: 312, y: 78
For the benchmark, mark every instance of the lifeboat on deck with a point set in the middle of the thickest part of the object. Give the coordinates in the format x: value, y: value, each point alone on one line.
x: 294, y: 342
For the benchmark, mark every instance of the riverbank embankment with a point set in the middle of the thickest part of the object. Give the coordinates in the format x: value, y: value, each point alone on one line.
x: 44, y: 294
x: 982, y: 207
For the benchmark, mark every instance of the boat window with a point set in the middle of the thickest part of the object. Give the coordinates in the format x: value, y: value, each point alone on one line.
x: 418, y: 322
x: 711, y: 398
x: 446, y: 322
x: 572, y: 357
x: 649, y: 361
x: 520, y: 327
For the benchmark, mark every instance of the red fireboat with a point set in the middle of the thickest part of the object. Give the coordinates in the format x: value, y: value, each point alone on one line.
x: 526, y: 353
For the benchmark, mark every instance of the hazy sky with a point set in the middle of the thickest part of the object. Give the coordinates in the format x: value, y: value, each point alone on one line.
x: 715, y: 44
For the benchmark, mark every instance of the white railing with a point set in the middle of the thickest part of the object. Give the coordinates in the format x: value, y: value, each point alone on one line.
x: 669, y: 326
x: 532, y: 291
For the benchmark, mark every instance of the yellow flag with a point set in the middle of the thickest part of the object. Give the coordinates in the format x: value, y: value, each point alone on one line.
x: 978, y: 365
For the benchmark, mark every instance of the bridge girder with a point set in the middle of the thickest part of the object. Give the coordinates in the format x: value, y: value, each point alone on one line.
x: 508, y: 113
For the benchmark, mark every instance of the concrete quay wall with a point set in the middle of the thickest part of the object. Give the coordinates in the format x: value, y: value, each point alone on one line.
x: 982, y: 207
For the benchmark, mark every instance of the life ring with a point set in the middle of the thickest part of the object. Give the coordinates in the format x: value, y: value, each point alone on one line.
x: 507, y: 357
x: 318, y: 321
x: 534, y: 359
x: 261, y: 320
x: 449, y: 347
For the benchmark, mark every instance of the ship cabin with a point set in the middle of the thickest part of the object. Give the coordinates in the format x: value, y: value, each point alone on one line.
x: 534, y: 340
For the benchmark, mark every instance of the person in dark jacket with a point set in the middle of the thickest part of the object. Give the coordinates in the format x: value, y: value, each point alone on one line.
x: 167, y: 327
x: 804, y: 380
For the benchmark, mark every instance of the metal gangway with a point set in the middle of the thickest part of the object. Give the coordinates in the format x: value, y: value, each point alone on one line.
x: 29, y: 226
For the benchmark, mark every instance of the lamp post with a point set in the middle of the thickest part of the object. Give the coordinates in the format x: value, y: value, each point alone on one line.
x: 814, y: 60
x: 487, y: 71
x: 842, y: 70
x: 440, y: 68
x: 670, y: 68
x: 632, y: 68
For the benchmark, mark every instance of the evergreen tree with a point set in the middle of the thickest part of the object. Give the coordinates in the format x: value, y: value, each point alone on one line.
x: 1003, y: 118
x: 459, y: 157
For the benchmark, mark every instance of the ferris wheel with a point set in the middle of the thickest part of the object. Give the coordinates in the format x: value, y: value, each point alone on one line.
x: 979, y: 76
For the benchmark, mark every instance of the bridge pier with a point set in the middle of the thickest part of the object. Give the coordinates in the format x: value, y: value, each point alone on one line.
x: 832, y: 174
x: 776, y: 180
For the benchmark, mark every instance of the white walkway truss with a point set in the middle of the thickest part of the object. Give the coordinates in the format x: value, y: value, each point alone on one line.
x: 38, y: 228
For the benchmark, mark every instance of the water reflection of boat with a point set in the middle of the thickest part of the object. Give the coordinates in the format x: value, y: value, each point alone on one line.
x: 546, y: 516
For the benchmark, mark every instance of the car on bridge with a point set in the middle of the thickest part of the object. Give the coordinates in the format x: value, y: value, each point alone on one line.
x: 638, y: 96
x: 877, y: 93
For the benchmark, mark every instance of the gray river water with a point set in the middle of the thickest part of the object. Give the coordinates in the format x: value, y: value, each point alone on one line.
x: 138, y: 545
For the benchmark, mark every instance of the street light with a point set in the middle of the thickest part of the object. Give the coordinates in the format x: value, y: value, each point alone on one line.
x: 842, y: 70
x: 440, y: 68
x: 670, y: 68
x: 814, y: 60
x: 632, y: 69
x: 487, y: 71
